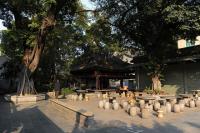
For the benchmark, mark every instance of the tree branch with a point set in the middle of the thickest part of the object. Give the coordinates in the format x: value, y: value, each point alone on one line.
x: 94, y: 11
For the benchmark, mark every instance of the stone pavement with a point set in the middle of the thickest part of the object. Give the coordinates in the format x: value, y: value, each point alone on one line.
x: 33, y: 118
x: 186, y: 123
x: 42, y: 117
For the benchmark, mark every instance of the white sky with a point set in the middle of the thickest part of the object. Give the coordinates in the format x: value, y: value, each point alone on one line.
x: 1, y: 25
x: 86, y: 3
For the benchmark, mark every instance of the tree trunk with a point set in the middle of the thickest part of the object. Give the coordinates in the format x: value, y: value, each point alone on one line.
x: 156, y: 84
x: 25, y: 84
x: 32, y: 57
x: 47, y: 24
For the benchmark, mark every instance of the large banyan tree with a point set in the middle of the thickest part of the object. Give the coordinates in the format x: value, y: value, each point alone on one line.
x: 29, y: 22
x: 153, y: 26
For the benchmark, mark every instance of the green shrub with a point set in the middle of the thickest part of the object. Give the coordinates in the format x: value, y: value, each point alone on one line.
x: 66, y: 91
x: 83, y: 86
x: 156, y: 91
x: 148, y: 90
x: 173, y: 89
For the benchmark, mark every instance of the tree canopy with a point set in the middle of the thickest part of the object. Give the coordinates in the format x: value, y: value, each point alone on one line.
x: 67, y: 36
x: 62, y: 31
x: 153, y: 26
x: 29, y: 24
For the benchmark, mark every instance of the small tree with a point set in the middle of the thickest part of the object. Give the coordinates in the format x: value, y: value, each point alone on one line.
x: 154, y: 70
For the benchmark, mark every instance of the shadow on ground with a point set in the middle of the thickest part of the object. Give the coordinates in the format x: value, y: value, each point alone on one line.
x: 28, y: 120
x: 121, y: 127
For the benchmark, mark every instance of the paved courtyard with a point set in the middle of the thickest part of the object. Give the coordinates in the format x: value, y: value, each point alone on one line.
x: 45, y: 118
x: 105, y: 116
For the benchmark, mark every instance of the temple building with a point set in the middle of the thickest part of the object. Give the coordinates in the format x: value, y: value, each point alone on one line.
x: 103, y: 71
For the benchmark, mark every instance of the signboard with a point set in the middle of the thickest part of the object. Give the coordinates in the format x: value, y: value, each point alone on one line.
x: 114, y: 83
x: 182, y: 43
x: 197, y: 42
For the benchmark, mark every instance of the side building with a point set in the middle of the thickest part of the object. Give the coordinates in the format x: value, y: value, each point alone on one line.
x: 181, y: 75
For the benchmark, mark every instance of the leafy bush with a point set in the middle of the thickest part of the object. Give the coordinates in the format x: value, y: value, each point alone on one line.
x: 66, y: 91
x: 156, y: 91
x: 148, y: 90
x: 159, y: 91
x: 83, y: 86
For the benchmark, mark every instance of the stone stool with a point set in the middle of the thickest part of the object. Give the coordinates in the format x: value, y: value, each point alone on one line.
x: 182, y: 106
x: 80, y: 97
x: 142, y: 104
x: 115, y: 106
x: 107, y: 105
x: 133, y: 111
x: 124, y: 105
x: 101, y: 104
x: 74, y: 97
x: 187, y: 102
x: 104, y: 96
x: 197, y: 102
x: 86, y: 98
x: 160, y: 113
x: 192, y: 104
x: 145, y: 113
x: 164, y: 109
x: 127, y: 108
x: 98, y: 95
x: 123, y: 95
x: 176, y: 108
x: 168, y: 107
x: 156, y: 106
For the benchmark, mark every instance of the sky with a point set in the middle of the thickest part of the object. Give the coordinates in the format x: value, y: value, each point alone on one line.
x: 1, y: 25
x: 86, y: 3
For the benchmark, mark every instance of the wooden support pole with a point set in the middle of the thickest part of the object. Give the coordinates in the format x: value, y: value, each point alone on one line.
x: 137, y: 78
x: 185, y: 78
x: 97, y: 82
x: 121, y: 83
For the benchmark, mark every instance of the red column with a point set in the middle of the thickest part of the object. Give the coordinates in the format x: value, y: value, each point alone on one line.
x: 97, y: 82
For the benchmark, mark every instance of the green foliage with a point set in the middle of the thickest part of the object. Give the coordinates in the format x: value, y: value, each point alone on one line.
x: 9, y: 73
x: 148, y: 90
x: 185, y: 16
x: 59, y: 53
x: 155, y: 68
x: 172, y: 89
x: 83, y: 86
x: 42, y: 87
x: 153, y: 27
x: 24, y: 20
x: 66, y: 91
x: 12, y: 43
x: 159, y: 92
x: 99, y: 38
x: 156, y: 91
